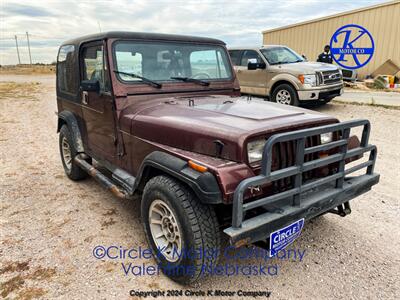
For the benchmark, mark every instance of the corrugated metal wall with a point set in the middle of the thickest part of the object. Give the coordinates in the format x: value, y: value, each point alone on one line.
x: 383, y: 22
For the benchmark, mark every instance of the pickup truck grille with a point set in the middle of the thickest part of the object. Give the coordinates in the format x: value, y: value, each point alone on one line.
x: 329, y: 77
x: 347, y: 73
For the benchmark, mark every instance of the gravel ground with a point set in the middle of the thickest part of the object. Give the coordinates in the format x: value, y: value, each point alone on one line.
x: 49, y: 225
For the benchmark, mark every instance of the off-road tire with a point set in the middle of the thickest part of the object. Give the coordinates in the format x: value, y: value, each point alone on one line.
x: 294, y: 99
x: 198, y: 224
x: 74, y: 172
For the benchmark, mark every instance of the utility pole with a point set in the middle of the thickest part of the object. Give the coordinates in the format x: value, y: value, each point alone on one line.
x: 29, y: 48
x: 16, y: 43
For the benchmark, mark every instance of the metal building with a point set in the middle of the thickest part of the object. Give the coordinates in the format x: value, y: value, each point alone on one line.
x: 309, y: 38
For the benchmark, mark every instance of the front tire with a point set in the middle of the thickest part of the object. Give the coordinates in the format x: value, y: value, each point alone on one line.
x: 68, y: 153
x: 285, y: 94
x: 173, y: 218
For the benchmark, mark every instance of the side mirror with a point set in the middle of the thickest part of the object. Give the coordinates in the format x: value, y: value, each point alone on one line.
x: 305, y: 57
x: 90, y: 85
x: 252, y: 64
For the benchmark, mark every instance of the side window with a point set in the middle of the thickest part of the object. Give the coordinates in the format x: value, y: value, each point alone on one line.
x: 235, y: 56
x: 93, y: 65
x: 249, y: 54
x: 66, y: 79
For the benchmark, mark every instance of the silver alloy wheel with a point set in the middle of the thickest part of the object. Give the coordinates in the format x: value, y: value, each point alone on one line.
x: 165, y: 230
x: 283, y: 97
x: 66, y: 153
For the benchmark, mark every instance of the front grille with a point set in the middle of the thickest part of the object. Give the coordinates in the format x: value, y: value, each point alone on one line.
x: 284, y: 156
x: 330, y: 77
x: 347, y: 73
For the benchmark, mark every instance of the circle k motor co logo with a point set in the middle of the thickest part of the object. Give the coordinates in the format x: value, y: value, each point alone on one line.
x: 352, y: 46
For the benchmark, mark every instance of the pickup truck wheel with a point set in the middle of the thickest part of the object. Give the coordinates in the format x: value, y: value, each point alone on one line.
x: 176, y: 224
x: 68, y: 153
x: 285, y: 94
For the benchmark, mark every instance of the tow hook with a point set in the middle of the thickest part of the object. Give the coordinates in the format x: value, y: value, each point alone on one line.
x: 342, y: 210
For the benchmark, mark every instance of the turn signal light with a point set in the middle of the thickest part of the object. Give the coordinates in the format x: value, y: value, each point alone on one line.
x: 197, y: 167
x: 301, y: 78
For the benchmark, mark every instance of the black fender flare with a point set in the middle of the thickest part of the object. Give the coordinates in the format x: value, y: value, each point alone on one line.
x: 69, y: 118
x: 204, y: 185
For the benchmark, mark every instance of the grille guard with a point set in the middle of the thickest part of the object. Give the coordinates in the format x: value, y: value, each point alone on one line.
x: 332, y: 190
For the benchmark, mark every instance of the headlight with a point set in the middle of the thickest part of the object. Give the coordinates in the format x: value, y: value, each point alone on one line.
x: 308, y: 79
x: 255, y: 150
x: 326, y: 138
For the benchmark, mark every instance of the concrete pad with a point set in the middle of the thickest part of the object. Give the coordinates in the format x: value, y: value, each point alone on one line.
x: 372, y: 98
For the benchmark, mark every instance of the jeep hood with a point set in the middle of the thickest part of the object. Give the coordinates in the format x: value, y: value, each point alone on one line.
x: 197, y: 123
x: 305, y: 67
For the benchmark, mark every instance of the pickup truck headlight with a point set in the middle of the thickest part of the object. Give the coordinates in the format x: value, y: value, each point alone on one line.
x: 255, y: 150
x: 326, y: 137
x: 308, y: 79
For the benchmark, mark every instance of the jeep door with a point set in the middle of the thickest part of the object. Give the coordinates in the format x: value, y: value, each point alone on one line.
x: 251, y: 81
x: 97, y: 106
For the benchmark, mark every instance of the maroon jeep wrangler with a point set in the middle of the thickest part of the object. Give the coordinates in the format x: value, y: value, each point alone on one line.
x: 163, y: 116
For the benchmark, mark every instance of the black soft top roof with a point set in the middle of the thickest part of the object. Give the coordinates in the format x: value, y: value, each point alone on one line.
x: 142, y: 36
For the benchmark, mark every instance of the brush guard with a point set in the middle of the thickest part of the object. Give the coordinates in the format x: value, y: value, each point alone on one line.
x: 308, y: 199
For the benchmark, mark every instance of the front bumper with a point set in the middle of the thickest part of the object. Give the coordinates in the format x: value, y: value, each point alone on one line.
x: 305, y: 199
x: 321, y: 93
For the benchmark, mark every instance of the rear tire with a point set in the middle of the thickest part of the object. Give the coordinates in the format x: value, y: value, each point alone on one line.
x: 173, y: 216
x: 68, y: 153
x: 285, y: 94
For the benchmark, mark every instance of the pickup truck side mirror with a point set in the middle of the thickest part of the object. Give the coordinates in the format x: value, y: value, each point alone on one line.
x: 252, y: 64
x: 305, y: 57
x: 90, y: 85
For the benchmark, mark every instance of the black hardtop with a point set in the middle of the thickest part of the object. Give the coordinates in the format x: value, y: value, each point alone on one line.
x: 142, y: 36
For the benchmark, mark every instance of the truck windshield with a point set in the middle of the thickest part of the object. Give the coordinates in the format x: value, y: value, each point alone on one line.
x: 281, y: 55
x: 166, y: 61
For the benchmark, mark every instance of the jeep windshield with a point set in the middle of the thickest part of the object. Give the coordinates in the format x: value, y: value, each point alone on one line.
x: 280, y: 55
x: 170, y: 62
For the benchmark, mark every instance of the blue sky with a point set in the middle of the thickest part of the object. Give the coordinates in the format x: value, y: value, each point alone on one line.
x: 237, y: 22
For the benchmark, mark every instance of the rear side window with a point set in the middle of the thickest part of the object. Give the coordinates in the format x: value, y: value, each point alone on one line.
x: 235, y: 56
x: 250, y: 54
x: 66, y: 79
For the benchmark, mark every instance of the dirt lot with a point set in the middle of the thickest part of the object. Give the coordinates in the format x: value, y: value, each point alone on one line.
x: 28, y: 69
x: 50, y: 225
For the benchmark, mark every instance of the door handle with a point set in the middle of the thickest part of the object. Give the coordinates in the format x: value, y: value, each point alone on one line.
x: 85, y: 97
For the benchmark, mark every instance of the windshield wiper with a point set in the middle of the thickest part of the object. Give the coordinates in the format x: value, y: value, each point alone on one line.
x: 188, y: 79
x: 286, y: 62
x: 144, y: 79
